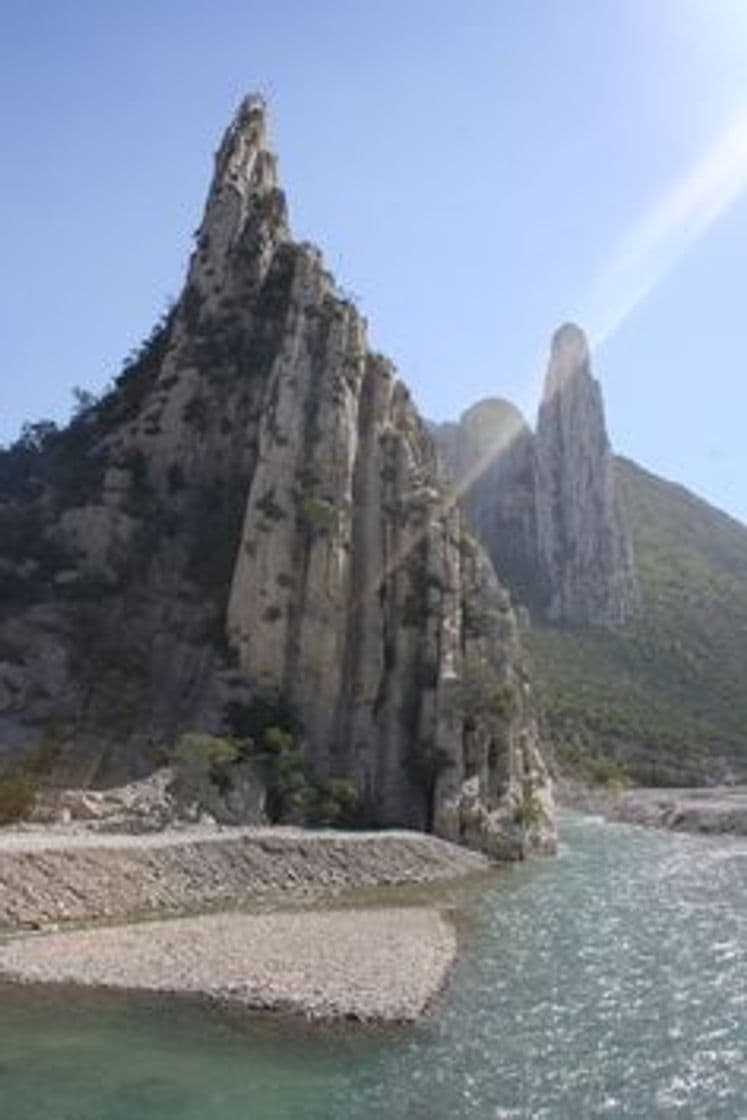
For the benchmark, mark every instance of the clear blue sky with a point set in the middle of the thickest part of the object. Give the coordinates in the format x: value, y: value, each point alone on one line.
x: 476, y: 171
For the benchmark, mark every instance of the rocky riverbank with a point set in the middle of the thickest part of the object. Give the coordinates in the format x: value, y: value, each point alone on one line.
x: 716, y: 809
x: 53, y: 876
x: 722, y: 809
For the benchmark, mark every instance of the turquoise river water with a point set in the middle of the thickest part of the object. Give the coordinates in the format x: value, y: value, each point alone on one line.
x: 611, y: 982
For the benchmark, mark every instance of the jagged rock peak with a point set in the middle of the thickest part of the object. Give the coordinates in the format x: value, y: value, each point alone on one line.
x: 255, y: 514
x: 243, y: 158
x: 246, y: 216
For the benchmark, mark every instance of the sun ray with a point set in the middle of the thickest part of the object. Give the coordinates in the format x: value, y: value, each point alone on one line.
x: 655, y: 244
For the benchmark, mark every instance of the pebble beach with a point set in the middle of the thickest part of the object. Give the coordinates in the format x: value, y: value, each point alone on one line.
x: 131, y: 894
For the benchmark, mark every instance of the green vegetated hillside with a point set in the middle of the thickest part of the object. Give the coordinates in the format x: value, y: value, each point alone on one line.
x: 666, y: 696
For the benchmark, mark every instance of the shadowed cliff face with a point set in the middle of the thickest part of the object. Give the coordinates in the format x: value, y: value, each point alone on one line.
x: 545, y: 504
x: 255, y: 513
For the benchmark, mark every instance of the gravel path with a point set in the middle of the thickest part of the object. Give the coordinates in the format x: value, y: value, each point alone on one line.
x: 377, y: 964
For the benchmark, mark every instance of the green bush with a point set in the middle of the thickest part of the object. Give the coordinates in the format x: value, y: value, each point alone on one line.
x: 207, y: 756
x: 280, y: 756
x: 17, y: 793
x: 334, y: 803
x: 266, y: 732
x: 481, y: 692
x: 197, y: 749
x: 319, y: 513
x: 607, y: 772
x: 529, y: 810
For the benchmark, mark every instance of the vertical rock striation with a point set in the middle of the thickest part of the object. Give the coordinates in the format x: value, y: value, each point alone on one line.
x: 545, y: 505
x: 583, y: 547
x: 264, y: 520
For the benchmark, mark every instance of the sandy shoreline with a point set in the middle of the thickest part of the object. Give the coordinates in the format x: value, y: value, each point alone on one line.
x: 384, y: 965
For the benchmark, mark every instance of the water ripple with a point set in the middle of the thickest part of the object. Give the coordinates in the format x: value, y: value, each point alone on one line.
x: 610, y: 982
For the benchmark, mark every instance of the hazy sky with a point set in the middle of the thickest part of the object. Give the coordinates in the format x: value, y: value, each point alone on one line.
x: 476, y: 172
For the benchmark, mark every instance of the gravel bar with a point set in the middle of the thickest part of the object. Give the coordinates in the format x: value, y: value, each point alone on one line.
x: 51, y: 877
x: 382, y: 965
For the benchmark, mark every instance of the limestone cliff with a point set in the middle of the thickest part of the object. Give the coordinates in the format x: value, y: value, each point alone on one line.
x: 254, y: 515
x: 584, y: 548
x: 545, y: 505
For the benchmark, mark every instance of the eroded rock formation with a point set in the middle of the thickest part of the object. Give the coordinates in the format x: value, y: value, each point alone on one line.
x: 254, y: 513
x: 545, y: 504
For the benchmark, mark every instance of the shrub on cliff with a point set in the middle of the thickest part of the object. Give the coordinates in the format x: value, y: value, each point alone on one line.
x: 529, y: 810
x: 334, y: 803
x: 267, y: 734
x: 281, y: 758
x: 200, y: 751
x: 482, y: 692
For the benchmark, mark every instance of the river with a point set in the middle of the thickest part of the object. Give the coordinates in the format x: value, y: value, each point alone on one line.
x: 610, y: 982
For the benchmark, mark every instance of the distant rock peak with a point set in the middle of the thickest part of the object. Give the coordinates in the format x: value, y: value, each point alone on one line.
x: 545, y: 504
x: 493, y: 422
x: 569, y: 358
x: 583, y: 543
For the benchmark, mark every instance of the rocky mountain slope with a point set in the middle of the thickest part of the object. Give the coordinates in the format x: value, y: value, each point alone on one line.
x: 248, y: 535
x: 637, y: 589
x: 666, y: 694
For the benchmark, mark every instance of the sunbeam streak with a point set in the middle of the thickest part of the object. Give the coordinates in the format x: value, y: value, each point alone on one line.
x: 652, y: 247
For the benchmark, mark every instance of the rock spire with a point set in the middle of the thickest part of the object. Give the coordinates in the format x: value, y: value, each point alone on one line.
x: 584, y: 552
x: 545, y: 504
x: 258, y: 506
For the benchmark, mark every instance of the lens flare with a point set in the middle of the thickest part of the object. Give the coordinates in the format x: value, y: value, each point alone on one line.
x: 645, y: 255
x: 652, y: 247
